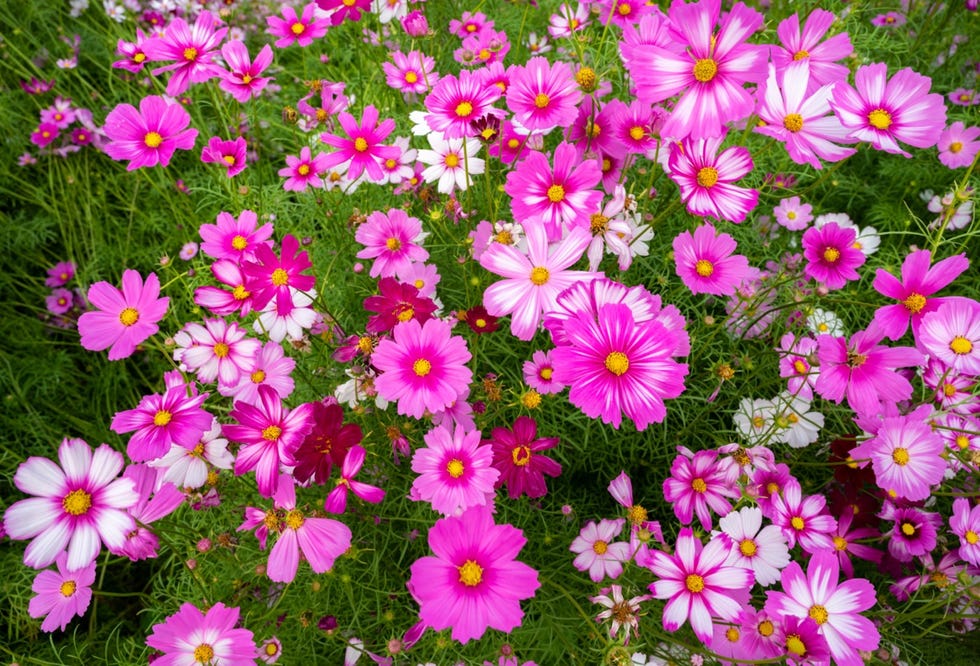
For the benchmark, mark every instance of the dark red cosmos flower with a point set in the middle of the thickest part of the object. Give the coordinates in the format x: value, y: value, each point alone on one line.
x: 327, y: 444
x: 397, y: 303
x: 517, y: 455
x: 478, y: 319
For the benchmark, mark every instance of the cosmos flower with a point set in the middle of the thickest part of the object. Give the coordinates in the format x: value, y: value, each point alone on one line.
x: 150, y: 136
x: 122, y: 319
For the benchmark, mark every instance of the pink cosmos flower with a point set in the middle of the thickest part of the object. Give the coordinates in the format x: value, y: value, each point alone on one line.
x: 705, y: 262
x: 134, y: 58
x: 162, y: 420
x: 965, y: 523
x: 227, y: 154
x: 269, y: 433
x: 913, y: 532
x: 219, y: 301
x: 122, y: 319
x: 243, y: 80
x: 234, y: 239
x: 802, y: 519
x: 792, y: 214
x: 270, y: 278
x: 423, y: 367
x: 698, y: 584
x: 559, y: 197
x: 473, y: 582
x: 834, y: 607
x: 884, y: 113
x: 710, y: 72
x: 303, y: 171
x: 454, y: 471
x: 342, y: 10
x: 517, y: 455
x: 533, y: 281
x: 44, y: 134
x: 539, y: 374
x: 567, y: 20
x: 831, y: 256
x: 919, y: 282
x: 761, y: 549
x: 327, y: 444
x: 848, y: 542
x: 60, y: 596
x: 596, y: 552
x: 156, y: 500
x: 391, y: 240
x: 59, y: 301
x: 77, y: 506
x: 191, y: 47
x: 958, y: 145
x: 60, y: 274
x: 149, y: 136
x: 543, y: 95
x: 412, y: 72
x: 699, y: 485
x: 863, y: 370
x: 795, y: 362
x: 796, y: 45
x: 292, y: 29
x: 336, y: 501
x: 889, y: 20
x: 269, y: 367
x: 218, y: 350
x: 951, y: 334
x: 362, y: 149
x: 455, y: 102
x: 705, y: 178
x: 192, y: 637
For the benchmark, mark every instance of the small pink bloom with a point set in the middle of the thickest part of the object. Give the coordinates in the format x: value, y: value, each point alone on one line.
x: 292, y: 29
x: 234, y: 239
x: 243, y: 79
x: 303, y: 171
x: 705, y: 262
x: 122, y: 319
x: 391, y: 241
x: 831, y: 255
x: 965, y: 523
x: 336, y: 501
x: 596, y: 552
x: 60, y: 596
x: 454, y: 470
x: 228, y: 154
x: 958, y: 145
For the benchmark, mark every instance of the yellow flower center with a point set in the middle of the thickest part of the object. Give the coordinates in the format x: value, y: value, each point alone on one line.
x: 129, y: 316
x: 455, y: 468
x: 411, y: 77
x: 520, y: 455
x: 704, y: 268
x: 360, y: 144
x: 908, y: 529
x: 698, y: 485
x: 470, y: 574
x: 955, y: 147
x: 766, y: 628
x: 504, y: 238
x: 77, y: 502
x: 294, y: 519
x: 297, y: 28
x: 541, y: 100
x: 556, y: 193
x: 421, y: 367
x: 162, y: 418
x: 636, y: 514
x: 406, y: 314
x: 280, y: 277
x: 531, y: 399
x: 539, y: 275
x: 271, y: 649
x: 795, y: 645
x: 624, y: 9
x: 221, y: 350
x: 271, y: 433
x: 513, y: 144
x: 960, y: 345
x: 900, y: 456
x: 818, y: 614
x: 204, y: 653
x: 747, y: 547
x: 962, y: 441
x: 831, y: 254
x: 705, y: 69
x: 637, y: 133
x: 480, y: 322
x: 229, y: 160
x: 452, y: 160
x: 694, y: 583
x: 546, y: 373
x: 732, y: 634
x: 598, y: 224
x: 797, y: 523
x: 365, y: 344
x: 840, y: 543
x: 600, y: 547
x: 246, y: 78
x: 971, y: 537
x: 393, y: 244
x: 800, y: 367
x: 240, y: 293
x: 914, y: 302
x: 139, y: 57
x: 190, y: 53
x: 880, y: 119
x: 152, y: 139
x: 707, y: 176
x: 67, y: 588
x: 464, y: 109
x: 303, y: 169
x: 617, y: 363
x: 793, y: 122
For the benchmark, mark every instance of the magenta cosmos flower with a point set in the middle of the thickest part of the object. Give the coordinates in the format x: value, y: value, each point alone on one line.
x: 884, y: 113
x: 835, y: 608
x: 271, y: 277
x: 533, y: 281
x: 149, y: 136
x: 76, y: 506
x: 863, y: 370
x: 705, y: 262
x: 390, y: 239
x: 616, y: 365
x: 455, y: 103
x: 234, y: 239
x: 705, y: 178
x: 710, y: 72
x: 192, y: 637
x: 698, y: 584
x: 559, y: 197
x: 362, y: 149
x: 244, y: 79
x: 123, y: 319
x: 160, y: 421
x: 191, y: 46
x: 472, y: 583
x: 423, y: 367
x: 336, y: 501
x: 919, y: 281
x: 831, y: 255
x: 454, y: 470
x: 543, y: 95
x: 292, y: 29
x: 804, y: 45
x: 228, y: 154
x: 699, y: 485
x: 303, y: 171
x: 61, y: 595
x: 517, y: 456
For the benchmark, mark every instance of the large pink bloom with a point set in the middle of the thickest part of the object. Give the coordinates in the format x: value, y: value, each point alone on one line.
x: 905, y: 456
x: 77, y: 506
x: 706, y: 178
x: 805, y: 46
x: 423, y: 367
x: 123, y: 318
x: 697, y: 583
x: 390, y: 239
x: 835, y: 608
x: 543, y: 95
x: 149, y: 136
x: 191, y: 46
x: 455, y: 103
x: 473, y: 582
x: 710, y: 72
x: 192, y: 637
x: 705, y: 263
x: 454, y: 470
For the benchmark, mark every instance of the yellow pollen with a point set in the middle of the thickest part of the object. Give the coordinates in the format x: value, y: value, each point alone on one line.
x: 908, y: 529
x: 880, y: 119
x: 617, y: 363
x: 747, y: 547
x: 469, y: 28
x: 698, y: 485
x: 586, y: 78
x: 704, y: 268
x: 539, y: 275
x: 963, y: 442
x: 705, y: 69
x: 488, y: 134
x: 390, y: 163
x: 280, y: 277
x: 240, y: 293
x: 452, y: 160
x: 960, y: 345
x: 152, y: 139
x: 406, y: 314
x: 800, y: 367
x: 77, y: 502
x: 421, y: 367
x: 574, y: 23
x: 504, y: 238
x: 197, y: 451
x: 271, y: 649
x: 598, y: 224
x: 129, y: 316
x: 732, y: 634
x: 546, y: 373
x: 464, y: 109
x: 204, y: 653
x: 229, y: 160
x: 139, y: 57
x: 818, y: 614
x: 914, y: 302
x: 793, y: 122
x: 271, y: 433
x: 707, y: 176
x: 541, y: 100
x: 221, y: 350
x: 637, y: 133
x: 365, y: 344
x: 795, y: 645
x: 411, y: 77
x: 294, y: 519
x: 593, y: 130
x: 470, y: 574
x: 303, y: 169
x: 480, y: 323
x: 239, y: 242
x: 271, y: 520
x: 600, y: 547
x: 162, y: 418
x: 360, y: 144
x: 520, y: 455
x: 797, y: 523
x: 840, y: 543
x: 246, y: 78
x: 484, y: 54
x: 955, y: 147
x: 636, y: 514
x: 455, y: 468
x: 624, y: 9
x: 297, y: 28
x: 831, y: 254
x: 419, y: 284
x: 822, y: 327
x: 791, y: 215
x: 556, y: 193
x: 694, y: 583
x: 971, y: 537
x: 513, y: 144
x: 67, y: 588
x: 531, y: 399
x: 900, y: 456
x: 393, y: 244
x: 766, y: 628
x: 801, y: 54
x: 758, y: 422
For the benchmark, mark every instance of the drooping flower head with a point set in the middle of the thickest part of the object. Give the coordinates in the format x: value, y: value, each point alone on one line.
x: 122, y: 319
x: 149, y: 136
